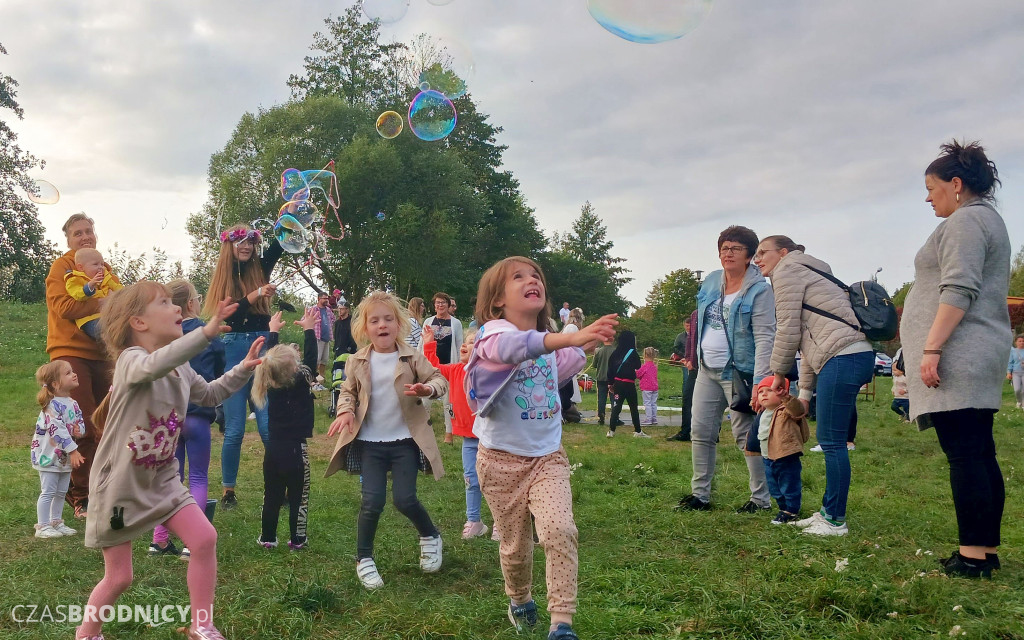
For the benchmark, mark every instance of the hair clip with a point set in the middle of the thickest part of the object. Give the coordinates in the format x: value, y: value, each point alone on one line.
x: 238, y: 235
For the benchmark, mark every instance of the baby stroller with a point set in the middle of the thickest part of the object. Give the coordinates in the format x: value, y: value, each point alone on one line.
x: 337, y: 377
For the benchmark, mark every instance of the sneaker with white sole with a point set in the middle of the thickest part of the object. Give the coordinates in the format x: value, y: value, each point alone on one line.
x: 825, y: 528
x: 62, y: 528
x: 473, y: 530
x: 186, y: 555
x: 850, y: 446
x: 523, y: 616
x: 46, y: 531
x: 203, y: 633
x: 816, y: 448
x: 366, y: 570
x: 806, y: 522
x: 495, y: 536
x: 610, y: 434
x: 640, y: 434
x: 430, y: 554
x: 266, y: 545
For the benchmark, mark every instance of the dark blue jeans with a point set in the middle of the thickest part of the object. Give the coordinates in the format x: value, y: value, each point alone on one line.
x: 839, y: 382
x: 784, y: 482
x: 236, y: 408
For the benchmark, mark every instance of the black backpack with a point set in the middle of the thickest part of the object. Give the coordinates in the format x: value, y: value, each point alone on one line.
x: 871, y: 304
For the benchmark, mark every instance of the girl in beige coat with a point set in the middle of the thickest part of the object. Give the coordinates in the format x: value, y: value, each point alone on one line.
x: 134, y: 480
x: 382, y: 422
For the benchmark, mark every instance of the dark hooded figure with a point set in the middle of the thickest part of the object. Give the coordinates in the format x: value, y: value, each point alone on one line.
x: 622, y: 366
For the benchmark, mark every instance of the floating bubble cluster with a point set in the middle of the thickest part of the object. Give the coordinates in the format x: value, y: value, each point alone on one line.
x: 389, y: 124
x: 46, y: 193
x: 432, y: 116
x: 649, y: 22
x: 451, y: 70
x: 292, y: 235
x: 387, y: 11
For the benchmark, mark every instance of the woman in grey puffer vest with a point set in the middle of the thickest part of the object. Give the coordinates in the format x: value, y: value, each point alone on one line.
x: 836, y: 360
x: 956, y: 342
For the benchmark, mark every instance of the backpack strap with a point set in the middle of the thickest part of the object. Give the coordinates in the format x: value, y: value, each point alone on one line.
x: 622, y: 362
x: 821, y: 312
x: 828, y: 276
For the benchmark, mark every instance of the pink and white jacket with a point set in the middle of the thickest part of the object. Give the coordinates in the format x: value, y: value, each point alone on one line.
x: 512, y: 383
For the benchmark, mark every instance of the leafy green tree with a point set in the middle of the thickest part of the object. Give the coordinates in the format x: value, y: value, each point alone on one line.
x: 25, y: 254
x: 673, y: 298
x: 900, y: 296
x: 580, y: 283
x: 588, y: 241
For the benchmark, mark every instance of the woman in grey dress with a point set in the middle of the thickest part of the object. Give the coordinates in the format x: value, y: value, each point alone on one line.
x: 956, y: 342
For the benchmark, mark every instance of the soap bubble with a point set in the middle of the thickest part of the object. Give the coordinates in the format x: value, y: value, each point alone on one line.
x: 47, y: 193
x: 302, y: 210
x: 380, y: 215
x: 389, y: 124
x: 654, y: 22
x: 432, y: 116
x: 321, y: 179
x: 449, y: 67
x: 291, y: 234
x: 293, y: 185
x: 387, y: 11
x: 424, y: 86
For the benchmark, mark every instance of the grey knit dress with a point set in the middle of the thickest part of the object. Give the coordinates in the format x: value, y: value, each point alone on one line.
x: 965, y: 263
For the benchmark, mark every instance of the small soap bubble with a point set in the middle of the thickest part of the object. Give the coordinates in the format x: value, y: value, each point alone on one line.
x: 387, y: 11
x: 649, y: 22
x: 432, y: 116
x: 389, y: 124
x: 380, y: 215
x: 424, y: 86
x: 450, y: 69
x: 46, y: 193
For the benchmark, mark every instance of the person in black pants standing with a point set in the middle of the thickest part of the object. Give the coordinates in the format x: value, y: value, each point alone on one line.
x: 687, y: 353
x: 622, y: 366
x: 286, y: 385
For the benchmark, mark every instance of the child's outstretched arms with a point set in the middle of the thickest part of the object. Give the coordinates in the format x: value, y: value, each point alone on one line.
x: 216, y: 325
x: 600, y: 330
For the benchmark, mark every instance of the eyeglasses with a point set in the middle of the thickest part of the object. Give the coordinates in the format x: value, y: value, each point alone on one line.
x: 760, y: 253
x: 198, y: 298
x: 732, y: 249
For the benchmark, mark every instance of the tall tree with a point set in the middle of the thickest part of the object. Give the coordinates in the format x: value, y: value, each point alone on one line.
x: 25, y: 254
x: 673, y: 298
x: 588, y: 241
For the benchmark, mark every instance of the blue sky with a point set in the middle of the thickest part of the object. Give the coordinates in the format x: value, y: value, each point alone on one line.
x: 810, y: 119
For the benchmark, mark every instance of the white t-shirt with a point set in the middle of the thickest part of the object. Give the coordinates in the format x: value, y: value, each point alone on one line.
x: 383, y: 422
x: 763, y: 429
x: 563, y: 313
x: 714, y: 345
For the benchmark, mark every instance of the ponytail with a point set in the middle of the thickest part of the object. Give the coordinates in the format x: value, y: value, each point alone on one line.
x: 967, y: 161
x: 47, y: 376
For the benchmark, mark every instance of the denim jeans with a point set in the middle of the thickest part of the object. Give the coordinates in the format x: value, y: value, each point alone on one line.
x: 711, y: 395
x: 784, y: 482
x: 839, y: 382
x: 901, y: 406
x: 236, y: 408
x: 473, y: 496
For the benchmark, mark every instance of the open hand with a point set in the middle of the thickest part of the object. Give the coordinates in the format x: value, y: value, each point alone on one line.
x: 428, y: 333
x: 276, y: 323
x: 308, y: 320
x: 216, y: 324
x: 418, y: 389
x: 601, y: 330
x: 96, y: 281
x: 76, y: 459
x: 342, y: 423
x: 252, y: 359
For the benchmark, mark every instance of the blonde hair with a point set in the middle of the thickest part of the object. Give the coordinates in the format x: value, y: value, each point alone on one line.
x: 121, y: 307
x: 76, y: 217
x: 47, y: 377
x: 182, y: 293
x: 99, y: 416
x: 492, y: 289
x: 235, y: 279
x: 277, y: 371
x: 394, y: 305
x: 85, y: 253
x: 576, y: 317
x: 416, y: 308
x: 650, y: 353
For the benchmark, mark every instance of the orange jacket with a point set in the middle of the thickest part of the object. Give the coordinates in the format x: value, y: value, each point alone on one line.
x: 462, y: 422
x: 63, y: 338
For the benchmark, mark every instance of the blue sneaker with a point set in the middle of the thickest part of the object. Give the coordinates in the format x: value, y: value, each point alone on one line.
x: 523, y: 616
x: 563, y: 632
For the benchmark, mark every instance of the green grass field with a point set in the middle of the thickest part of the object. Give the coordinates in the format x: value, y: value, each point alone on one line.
x: 645, y: 571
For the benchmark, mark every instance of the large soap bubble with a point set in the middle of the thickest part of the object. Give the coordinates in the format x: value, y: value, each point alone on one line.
x: 46, y: 193
x: 293, y: 185
x: 652, y: 21
x: 387, y: 11
x: 302, y: 210
x: 291, y: 234
x: 389, y: 124
x: 449, y: 69
x: 432, y: 116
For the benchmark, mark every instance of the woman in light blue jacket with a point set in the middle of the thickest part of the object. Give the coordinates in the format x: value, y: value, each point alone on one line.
x: 735, y: 328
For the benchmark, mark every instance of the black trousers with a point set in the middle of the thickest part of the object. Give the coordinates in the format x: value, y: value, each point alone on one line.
x: 285, y: 477
x: 602, y: 399
x: 689, y: 383
x: 965, y: 436
x: 402, y: 459
x: 625, y: 392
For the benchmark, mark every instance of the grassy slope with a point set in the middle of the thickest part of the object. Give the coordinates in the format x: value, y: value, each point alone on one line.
x: 645, y: 571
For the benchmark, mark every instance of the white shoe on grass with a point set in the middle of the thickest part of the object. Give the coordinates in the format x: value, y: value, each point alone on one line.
x: 430, y: 554
x: 825, y: 528
x: 640, y: 434
x: 806, y: 522
x: 46, y: 531
x: 816, y: 448
x: 62, y: 529
x: 370, y: 578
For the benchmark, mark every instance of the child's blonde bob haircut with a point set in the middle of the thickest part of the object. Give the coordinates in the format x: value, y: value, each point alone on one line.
x: 650, y: 353
x: 394, y: 305
x: 276, y: 371
x: 492, y: 291
x: 121, y: 307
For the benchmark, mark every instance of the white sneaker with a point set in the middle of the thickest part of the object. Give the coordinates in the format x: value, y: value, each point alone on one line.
x: 640, y: 434
x: 46, y: 531
x: 252, y: 416
x: 610, y: 434
x: 473, y: 530
x: 62, y: 529
x: 366, y: 569
x: 430, y: 554
x: 185, y: 554
x: 495, y: 536
x: 825, y: 528
x: 806, y: 522
x: 816, y: 448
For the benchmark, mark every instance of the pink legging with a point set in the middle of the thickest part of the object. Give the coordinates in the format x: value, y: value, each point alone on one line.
x: 189, y: 524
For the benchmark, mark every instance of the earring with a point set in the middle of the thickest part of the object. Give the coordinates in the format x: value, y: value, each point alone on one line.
x: 958, y: 197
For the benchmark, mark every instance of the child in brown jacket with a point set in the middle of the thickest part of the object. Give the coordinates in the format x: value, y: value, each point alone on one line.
x: 781, y: 433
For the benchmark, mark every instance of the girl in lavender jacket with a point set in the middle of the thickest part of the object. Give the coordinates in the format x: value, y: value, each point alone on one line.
x: 512, y: 382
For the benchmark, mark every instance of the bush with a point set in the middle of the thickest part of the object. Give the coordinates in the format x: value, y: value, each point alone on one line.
x: 652, y: 333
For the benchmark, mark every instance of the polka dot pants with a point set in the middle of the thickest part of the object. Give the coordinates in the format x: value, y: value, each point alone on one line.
x: 516, y: 487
